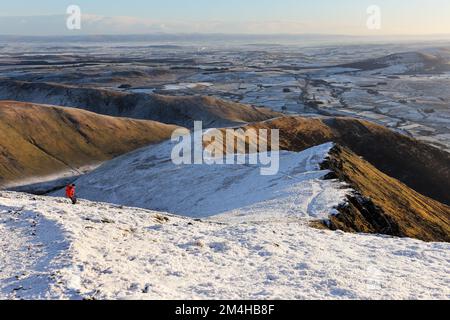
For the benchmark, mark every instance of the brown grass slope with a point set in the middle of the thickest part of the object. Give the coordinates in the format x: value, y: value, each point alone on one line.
x: 383, y: 204
x: 421, y: 167
x: 38, y: 140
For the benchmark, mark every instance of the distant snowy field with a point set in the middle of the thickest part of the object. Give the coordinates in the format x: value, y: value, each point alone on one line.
x: 253, y: 242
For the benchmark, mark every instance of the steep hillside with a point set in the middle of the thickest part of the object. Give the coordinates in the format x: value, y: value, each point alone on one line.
x: 180, y: 111
x: 39, y: 140
x: 382, y: 204
x: 421, y: 167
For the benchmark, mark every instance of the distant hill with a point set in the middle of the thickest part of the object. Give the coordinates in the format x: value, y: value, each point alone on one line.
x: 40, y: 140
x: 406, y: 62
x: 180, y: 111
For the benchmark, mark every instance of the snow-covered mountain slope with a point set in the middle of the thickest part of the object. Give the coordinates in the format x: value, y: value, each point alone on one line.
x: 375, y: 203
x: 51, y: 249
x: 147, y: 178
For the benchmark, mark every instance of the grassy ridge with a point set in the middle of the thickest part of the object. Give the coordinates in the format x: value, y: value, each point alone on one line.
x: 38, y: 140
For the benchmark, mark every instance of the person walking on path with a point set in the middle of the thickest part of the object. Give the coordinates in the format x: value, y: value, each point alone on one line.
x: 71, y: 193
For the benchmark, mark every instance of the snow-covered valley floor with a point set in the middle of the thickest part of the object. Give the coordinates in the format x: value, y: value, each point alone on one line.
x: 50, y: 249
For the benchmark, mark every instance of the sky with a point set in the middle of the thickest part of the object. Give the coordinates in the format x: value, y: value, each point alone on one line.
x: 349, y: 17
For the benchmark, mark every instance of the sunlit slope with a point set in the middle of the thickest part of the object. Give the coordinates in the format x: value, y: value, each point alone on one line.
x: 382, y: 204
x: 38, y: 140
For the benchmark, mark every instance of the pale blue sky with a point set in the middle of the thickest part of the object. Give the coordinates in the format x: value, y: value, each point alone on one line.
x: 292, y: 16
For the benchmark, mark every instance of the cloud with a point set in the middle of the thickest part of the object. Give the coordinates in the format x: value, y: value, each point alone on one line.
x: 97, y: 24
x: 92, y: 24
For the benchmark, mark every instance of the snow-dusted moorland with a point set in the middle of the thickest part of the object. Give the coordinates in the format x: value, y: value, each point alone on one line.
x: 254, y: 245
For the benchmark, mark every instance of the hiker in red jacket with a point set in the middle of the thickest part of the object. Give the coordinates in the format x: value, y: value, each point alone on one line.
x: 71, y: 194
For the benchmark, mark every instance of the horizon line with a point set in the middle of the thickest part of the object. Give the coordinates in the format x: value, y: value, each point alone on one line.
x: 229, y: 34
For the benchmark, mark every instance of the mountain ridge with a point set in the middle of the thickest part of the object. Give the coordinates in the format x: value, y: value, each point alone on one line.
x: 422, y: 167
x: 176, y: 110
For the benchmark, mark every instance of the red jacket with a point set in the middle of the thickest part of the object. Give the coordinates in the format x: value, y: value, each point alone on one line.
x: 70, y: 192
